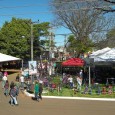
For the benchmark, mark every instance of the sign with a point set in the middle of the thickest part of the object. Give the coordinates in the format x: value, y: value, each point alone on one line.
x: 32, y: 67
x: 89, y: 61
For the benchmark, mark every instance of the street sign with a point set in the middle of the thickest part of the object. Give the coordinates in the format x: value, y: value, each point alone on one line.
x: 89, y: 61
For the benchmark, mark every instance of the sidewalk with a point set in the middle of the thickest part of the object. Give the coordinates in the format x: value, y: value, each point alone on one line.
x: 78, y: 98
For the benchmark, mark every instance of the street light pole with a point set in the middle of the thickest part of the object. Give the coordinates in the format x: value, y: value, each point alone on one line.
x: 32, y: 39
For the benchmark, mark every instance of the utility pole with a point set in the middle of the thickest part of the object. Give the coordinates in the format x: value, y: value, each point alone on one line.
x: 32, y: 39
x: 50, y: 53
x: 65, y: 44
x: 65, y: 47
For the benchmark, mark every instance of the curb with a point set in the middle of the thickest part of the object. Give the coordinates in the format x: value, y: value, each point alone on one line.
x: 72, y: 98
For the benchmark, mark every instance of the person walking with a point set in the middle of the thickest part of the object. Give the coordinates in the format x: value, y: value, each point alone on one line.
x: 22, y: 82
x: 36, y: 90
x: 4, y: 81
x: 17, y: 83
x: 70, y: 79
x: 1, y: 75
x: 12, y: 84
x: 13, y: 96
x: 79, y: 83
x: 81, y: 74
x: 28, y: 84
x: 40, y: 90
x: 6, y: 88
x: 6, y: 73
x: 17, y: 77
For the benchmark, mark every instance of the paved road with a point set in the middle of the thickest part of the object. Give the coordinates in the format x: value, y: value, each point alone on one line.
x: 27, y: 106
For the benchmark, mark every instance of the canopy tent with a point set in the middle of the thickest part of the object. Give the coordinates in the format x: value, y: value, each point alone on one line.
x: 97, y: 55
x: 100, y: 52
x: 108, y: 56
x: 74, y: 62
x: 5, y: 58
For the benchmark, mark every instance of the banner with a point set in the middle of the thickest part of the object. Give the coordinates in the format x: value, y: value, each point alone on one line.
x: 32, y: 67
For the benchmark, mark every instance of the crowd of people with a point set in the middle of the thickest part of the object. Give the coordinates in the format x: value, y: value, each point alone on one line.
x: 13, y: 88
x: 68, y: 79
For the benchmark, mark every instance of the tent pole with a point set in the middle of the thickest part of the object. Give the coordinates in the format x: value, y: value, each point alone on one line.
x: 22, y: 64
x: 89, y: 77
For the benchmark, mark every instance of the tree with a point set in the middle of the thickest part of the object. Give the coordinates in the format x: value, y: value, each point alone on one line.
x: 109, y: 8
x: 111, y: 38
x: 15, y: 38
x: 108, y: 42
x: 80, y: 17
x: 76, y: 47
x: 110, y: 1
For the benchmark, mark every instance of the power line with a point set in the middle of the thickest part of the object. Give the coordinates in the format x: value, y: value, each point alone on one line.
x: 58, y: 3
x: 67, y: 34
x: 12, y: 7
x: 47, y: 12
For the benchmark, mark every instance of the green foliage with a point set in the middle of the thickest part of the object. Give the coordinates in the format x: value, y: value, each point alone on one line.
x: 15, y: 38
x: 111, y: 34
x: 56, y: 80
x: 66, y: 91
x: 108, y: 42
x: 71, y: 93
x: 79, y: 46
x: 111, y: 38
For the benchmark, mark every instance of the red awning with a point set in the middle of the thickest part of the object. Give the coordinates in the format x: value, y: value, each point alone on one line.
x: 73, y: 62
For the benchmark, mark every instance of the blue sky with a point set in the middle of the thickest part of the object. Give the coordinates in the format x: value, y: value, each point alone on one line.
x: 31, y: 9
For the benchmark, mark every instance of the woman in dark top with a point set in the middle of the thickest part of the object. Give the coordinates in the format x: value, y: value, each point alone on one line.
x: 40, y: 90
x: 17, y: 77
x: 12, y: 85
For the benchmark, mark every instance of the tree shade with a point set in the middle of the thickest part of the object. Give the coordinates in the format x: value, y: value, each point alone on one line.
x: 74, y: 62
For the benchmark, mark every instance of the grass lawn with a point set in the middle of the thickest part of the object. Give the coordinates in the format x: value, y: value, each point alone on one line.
x: 94, y: 93
x: 71, y: 93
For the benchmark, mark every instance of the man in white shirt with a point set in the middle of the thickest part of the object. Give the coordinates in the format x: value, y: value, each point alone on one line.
x: 22, y: 81
x: 4, y: 80
x: 70, y: 79
x: 81, y: 74
x: 79, y: 83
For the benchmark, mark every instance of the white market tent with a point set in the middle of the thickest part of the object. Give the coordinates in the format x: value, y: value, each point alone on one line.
x: 99, y: 52
x: 6, y: 58
x: 105, y: 55
x: 108, y: 56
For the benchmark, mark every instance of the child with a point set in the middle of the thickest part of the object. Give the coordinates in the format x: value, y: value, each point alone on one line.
x: 6, y: 88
